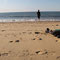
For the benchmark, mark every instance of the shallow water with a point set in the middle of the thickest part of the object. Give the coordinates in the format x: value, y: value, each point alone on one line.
x: 29, y: 16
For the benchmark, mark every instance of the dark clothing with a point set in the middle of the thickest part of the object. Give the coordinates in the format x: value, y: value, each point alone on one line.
x: 38, y: 14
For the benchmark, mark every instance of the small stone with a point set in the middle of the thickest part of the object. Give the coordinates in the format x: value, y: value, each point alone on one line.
x: 37, y: 52
x: 56, y: 40
x: 46, y: 52
x: 34, y: 39
x: 17, y: 41
x: 57, y: 25
x: 41, y: 52
x: 40, y: 38
x: 37, y: 32
x: 11, y: 41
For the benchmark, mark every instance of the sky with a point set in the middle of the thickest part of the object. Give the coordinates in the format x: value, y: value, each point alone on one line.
x: 29, y: 5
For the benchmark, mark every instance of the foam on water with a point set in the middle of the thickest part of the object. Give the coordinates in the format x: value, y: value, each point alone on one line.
x: 29, y: 16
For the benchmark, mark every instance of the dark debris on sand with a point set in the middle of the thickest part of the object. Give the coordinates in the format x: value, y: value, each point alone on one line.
x: 56, y: 40
x: 11, y: 41
x: 0, y: 54
x: 3, y: 54
x: 37, y: 52
x: 41, y: 52
x: 37, y: 32
x: 17, y: 41
x: 3, y: 30
x: 58, y: 57
x: 40, y: 38
x: 33, y: 38
x: 57, y: 25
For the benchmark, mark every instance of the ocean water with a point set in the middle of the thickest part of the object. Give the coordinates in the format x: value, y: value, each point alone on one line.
x: 29, y: 16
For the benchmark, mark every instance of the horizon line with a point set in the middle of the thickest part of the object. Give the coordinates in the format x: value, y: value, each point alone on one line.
x: 28, y: 11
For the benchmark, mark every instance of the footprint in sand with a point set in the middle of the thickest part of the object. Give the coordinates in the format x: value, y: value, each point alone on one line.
x: 3, y: 30
x: 57, y: 40
x: 57, y: 25
x: 37, y: 32
x: 24, y: 32
x: 41, y: 52
x: 0, y: 54
x: 33, y: 39
x: 30, y: 32
x: 19, y: 33
x: 24, y: 53
x: 52, y: 53
x: 15, y: 41
x: 14, y: 35
x: 58, y: 57
x: 52, y: 25
x: 3, y: 54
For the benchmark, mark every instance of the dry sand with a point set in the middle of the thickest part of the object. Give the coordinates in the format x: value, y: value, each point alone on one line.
x: 19, y: 41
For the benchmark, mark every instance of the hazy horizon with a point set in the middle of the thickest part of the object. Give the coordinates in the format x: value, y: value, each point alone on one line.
x: 29, y: 5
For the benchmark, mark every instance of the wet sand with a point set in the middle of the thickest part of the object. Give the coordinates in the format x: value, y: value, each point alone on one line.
x: 28, y: 41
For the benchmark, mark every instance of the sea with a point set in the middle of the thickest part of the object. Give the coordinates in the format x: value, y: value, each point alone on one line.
x: 29, y: 16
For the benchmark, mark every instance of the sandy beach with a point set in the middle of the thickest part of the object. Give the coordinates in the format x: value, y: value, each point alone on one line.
x: 19, y: 41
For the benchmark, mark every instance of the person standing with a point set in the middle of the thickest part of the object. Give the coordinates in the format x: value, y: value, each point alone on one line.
x: 38, y: 14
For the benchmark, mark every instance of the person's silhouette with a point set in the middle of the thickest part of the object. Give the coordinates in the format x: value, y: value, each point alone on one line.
x: 38, y: 14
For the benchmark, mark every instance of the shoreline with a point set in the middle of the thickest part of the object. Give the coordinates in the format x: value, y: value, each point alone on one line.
x: 28, y: 21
